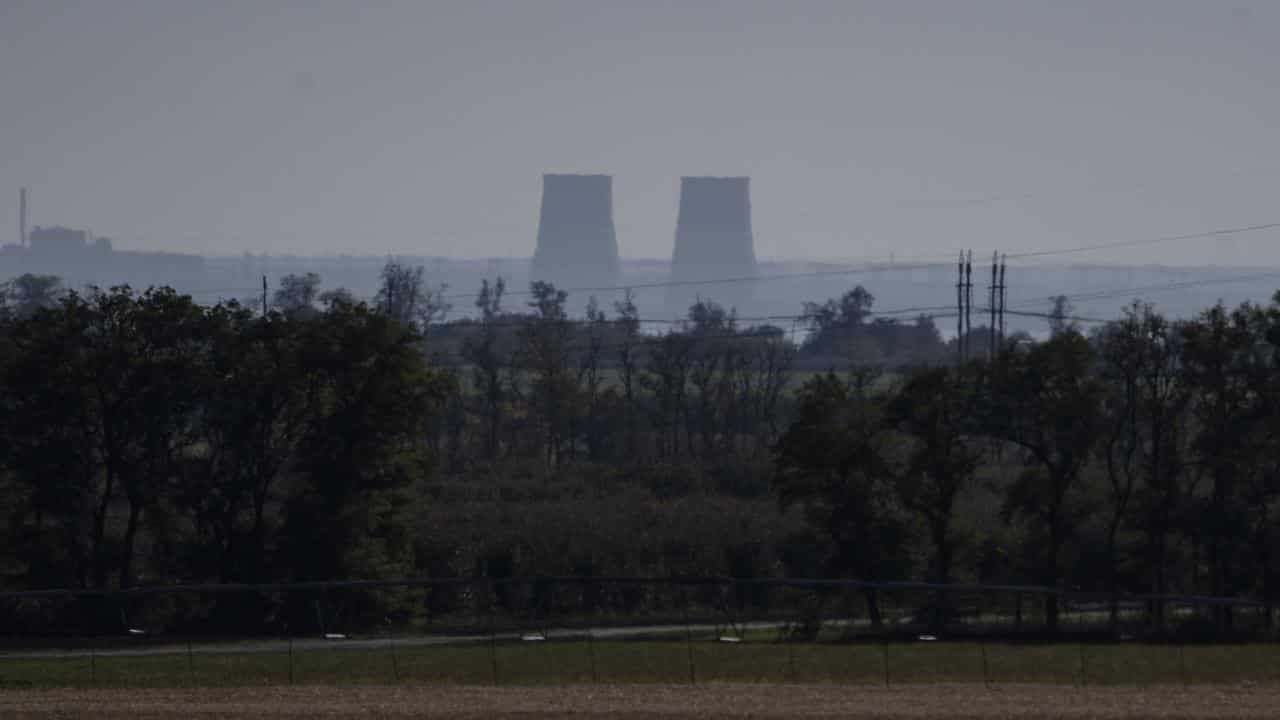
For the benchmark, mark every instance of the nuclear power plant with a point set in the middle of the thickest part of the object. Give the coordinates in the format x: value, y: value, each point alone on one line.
x: 81, y: 258
x: 713, y: 242
x: 577, y: 244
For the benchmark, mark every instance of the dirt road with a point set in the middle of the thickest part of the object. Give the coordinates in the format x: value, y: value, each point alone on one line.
x: 661, y: 701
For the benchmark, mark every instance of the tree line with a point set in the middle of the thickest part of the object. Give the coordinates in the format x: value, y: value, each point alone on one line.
x: 145, y: 438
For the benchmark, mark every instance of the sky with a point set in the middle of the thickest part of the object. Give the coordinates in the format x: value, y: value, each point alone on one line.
x: 901, y: 128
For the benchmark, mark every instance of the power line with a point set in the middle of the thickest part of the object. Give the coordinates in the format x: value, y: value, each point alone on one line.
x: 931, y: 312
x: 868, y: 267
x: 1148, y: 241
x: 1078, y: 318
x: 1162, y: 287
x: 724, y: 281
x: 1140, y: 188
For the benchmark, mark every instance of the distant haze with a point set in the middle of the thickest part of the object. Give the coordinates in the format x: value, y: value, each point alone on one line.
x: 912, y: 128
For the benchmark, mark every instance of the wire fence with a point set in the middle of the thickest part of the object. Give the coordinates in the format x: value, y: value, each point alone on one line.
x: 605, y: 630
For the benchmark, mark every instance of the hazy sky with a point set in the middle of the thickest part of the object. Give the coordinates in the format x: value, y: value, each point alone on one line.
x: 867, y: 127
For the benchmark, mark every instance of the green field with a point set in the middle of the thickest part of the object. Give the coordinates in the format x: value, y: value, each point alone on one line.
x: 659, y: 661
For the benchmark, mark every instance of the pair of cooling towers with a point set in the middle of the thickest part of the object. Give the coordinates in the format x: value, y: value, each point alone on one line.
x: 578, y: 246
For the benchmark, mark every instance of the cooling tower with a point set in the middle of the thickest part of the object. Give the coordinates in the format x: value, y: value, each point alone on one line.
x: 577, y: 245
x: 713, y: 242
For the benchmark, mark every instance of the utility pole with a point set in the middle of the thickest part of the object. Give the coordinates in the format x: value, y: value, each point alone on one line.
x: 1003, y: 294
x: 968, y: 300
x: 991, y: 300
x: 960, y: 311
x: 264, y: 296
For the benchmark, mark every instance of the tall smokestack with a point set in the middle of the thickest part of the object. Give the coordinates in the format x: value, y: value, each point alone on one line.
x: 22, y: 217
x: 713, y: 242
x: 577, y: 243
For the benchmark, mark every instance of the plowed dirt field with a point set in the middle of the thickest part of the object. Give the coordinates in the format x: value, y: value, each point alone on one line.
x: 653, y: 701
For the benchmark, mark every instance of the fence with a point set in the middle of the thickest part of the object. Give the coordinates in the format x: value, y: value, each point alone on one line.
x: 581, y: 630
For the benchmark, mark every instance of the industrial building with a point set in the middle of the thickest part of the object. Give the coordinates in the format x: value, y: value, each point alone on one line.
x: 713, y: 243
x: 577, y: 244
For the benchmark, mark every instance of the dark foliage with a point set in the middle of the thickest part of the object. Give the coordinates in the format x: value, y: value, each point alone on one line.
x: 147, y: 439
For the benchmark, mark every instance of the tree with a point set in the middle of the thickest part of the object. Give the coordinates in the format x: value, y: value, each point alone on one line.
x: 666, y: 377
x: 629, y: 328
x: 50, y: 450
x: 545, y: 339
x: 707, y: 317
x: 934, y: 410
x: 251, y: 437
x: 401, y: 293
x: 433, y: 308
x: 835, y: 324
x: 336, y: 296
x: 773, y: 356
x: 1145, y: 404
x: 28, y: 293
x: 590, y: 376
x: 1262, y: 489
x: 920, y: 344
x: 711, y: 329
x: 165, y: 334
x: 1215, y: 348
x: 483, y: 349
x: 756, y: 369
x: 831, y: 463
x: 1060, y: 316
x: 1046, y: 401
x: 851, y: 310
x: 1120, y: 349
x: 372, y: 401
x: 297, y: 294
x: 105, y: 387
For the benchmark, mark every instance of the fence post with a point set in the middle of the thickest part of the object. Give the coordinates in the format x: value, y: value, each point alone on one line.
x: 591, y: 652
x: 791, y: 659
x: 885, y: 655
x: 986, y: 668
x: 545, y: 604
x: 688, y: 634
x: 69, y: 659
x: 493, y: 636
x: 1084, y: 668
x: 391, y: 643
x: 1182, y: 663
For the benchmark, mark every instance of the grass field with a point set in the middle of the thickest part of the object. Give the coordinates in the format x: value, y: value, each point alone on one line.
x: 635, y: 702
x: 659, y: 662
